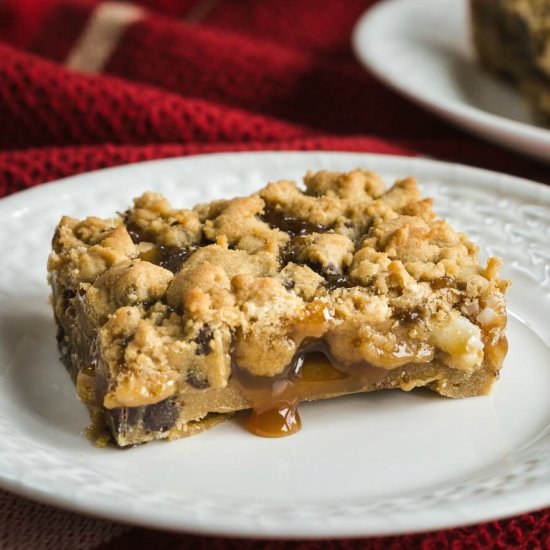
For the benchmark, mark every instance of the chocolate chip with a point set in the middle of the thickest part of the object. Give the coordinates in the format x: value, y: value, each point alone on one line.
x: 60, y: 335
x: 67, y: 296
x: 160, y: 416
x: 290, y: 251
x: 408, y: 316
x: 135, y: 232
x: 289, y: 284
x: 338, y: 280
x: 172, y: 257
x: 279, y: 219
x: 122, y: 420
x: 442, y: 282
x: 204, y: 240
x: 149, y: 303
x: 125, y: 340
x: 154, y: 418
x: 203, y: 340
x: 199, y: 383
x: 136, y: 237
x: 333, y: 277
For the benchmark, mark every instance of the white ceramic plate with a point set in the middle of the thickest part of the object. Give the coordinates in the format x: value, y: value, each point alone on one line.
x: 422, y: 49
x: 362, y: 465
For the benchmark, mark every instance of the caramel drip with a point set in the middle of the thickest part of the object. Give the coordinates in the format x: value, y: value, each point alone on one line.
x: 313, y: 374
x: 316, y: 367
x: 279, y: 420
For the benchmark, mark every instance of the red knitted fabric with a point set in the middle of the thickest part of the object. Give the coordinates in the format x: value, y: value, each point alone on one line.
x: 196, y: 76
x: 528, y: 532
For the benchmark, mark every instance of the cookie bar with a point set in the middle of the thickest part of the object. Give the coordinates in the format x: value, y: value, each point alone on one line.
x: 169, y: 320
x: 512, y: 38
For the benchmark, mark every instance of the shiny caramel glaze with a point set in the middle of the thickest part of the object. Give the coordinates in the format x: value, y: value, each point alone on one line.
x: 278, y: 420
x: 313, y: 374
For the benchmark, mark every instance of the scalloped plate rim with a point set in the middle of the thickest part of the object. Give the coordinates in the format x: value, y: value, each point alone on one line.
x: 521, y: 187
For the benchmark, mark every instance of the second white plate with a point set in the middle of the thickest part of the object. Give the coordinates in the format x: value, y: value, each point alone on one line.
x: 422, y: 49
x: 386, y: 462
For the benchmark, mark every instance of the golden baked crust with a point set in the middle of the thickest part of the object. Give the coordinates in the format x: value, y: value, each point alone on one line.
x: 170, y: 317
x: 512, y: 38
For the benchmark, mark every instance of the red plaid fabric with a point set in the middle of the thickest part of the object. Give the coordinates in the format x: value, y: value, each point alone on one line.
x: 86, y: 84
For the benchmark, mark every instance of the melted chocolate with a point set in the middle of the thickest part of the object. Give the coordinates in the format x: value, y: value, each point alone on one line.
x: 203, y: 339
x: 338, y: 280
x: 136, y: 237
x: 159, y: 417
x: 196, y: 382
x: 333, y: 278
x: 136, y: 233
x: 279, y: 219
x: 290, y: 252
x: 172, y: 257
x: 169, y: 257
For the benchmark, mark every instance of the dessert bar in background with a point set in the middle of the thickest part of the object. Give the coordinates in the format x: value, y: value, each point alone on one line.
x: 512, y: 39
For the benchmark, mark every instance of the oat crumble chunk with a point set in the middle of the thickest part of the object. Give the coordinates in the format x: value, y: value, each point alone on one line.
x: 170, y: 320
